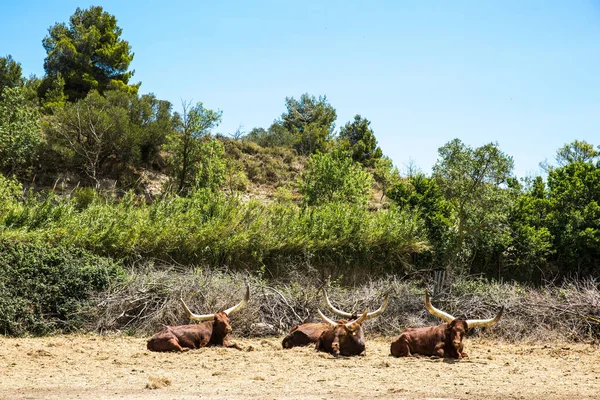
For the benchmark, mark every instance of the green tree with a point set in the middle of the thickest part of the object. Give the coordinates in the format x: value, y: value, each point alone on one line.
x: 151, y: 122
x: 20, y: 133
x: 556, y: 227
x: 259, y: 136
x: 574, y: 219
x: 10, y: 73
x: 311, y: 122
x: 54, y: 93
x: 360, y: 139
x: 212, y: 166
x: 118, y: 128
x: 334, y: 176
x: 275, y: 136
x: 235, y: 175
x: 576, y: 151
x: 30, y: 86
x: 186, y: 143
x: 385, y: 174
x: 91, y: 131
x: 474, y: 182
x: 88, y: 54
x: 528, y: 256
x: 422, y: 195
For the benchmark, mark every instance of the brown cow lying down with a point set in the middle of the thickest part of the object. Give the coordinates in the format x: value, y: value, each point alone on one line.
x: 213, y: 331
x: 342, y: 338
x: 305, y: 334
x: 444, y: 340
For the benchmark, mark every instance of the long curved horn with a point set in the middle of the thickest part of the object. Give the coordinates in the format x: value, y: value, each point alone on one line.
x: 438, y: 313
x: 327, y: 320
x: 474, y: 323
x: 345, y: 314
x: 334, y: 310
x: 353, y: 325
x: 242, y: 303
x: 380, y: 310
x: 196, y: 317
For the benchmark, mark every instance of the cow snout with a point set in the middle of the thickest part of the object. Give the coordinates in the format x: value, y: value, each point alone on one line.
x: 287, y: 343
x: 335, y: 348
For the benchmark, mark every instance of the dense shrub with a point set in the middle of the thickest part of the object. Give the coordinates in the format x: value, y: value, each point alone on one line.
x: 334, y: 176
x: 214, y: 229
x: 45, y: 288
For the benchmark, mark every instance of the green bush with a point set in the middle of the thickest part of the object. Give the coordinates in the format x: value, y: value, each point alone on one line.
x: 334, y: 176
x: 45, y: 288
x: 11, y: 192
x: 215, y: 229
x: 83, y: 197
x: 20, y: 134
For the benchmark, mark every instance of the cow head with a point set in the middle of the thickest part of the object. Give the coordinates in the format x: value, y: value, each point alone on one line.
x: 345, y: 335
x: 221, y: 325
x: 456, y: 331
x: 220, y: 319
x: 458, y: 327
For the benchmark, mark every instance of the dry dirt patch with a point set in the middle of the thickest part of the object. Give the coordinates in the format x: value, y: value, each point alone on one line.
x: 120, y: 367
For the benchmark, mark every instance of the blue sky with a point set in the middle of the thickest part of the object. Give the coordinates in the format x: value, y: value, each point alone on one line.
x: 525, y: 74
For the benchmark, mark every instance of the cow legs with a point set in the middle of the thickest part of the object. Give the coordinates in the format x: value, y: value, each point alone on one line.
x: 169, y: 343
x: 322, y: 346
x: 439, y: 350
x: 223, y: 342
x: 231, y: 344
x: 174, y: 344
x: 461, y: 353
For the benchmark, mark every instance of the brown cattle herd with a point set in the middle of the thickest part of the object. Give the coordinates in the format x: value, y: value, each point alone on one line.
x: 344, y: 336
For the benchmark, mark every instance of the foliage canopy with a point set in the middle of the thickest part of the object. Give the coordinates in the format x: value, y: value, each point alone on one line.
x: 87, y: 54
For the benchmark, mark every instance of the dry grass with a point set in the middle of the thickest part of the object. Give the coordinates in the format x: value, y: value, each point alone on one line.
x: 158, y: 382
x: 150, y: 299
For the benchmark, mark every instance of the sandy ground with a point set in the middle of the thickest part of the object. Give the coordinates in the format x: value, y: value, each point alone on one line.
x: 120, y: 367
